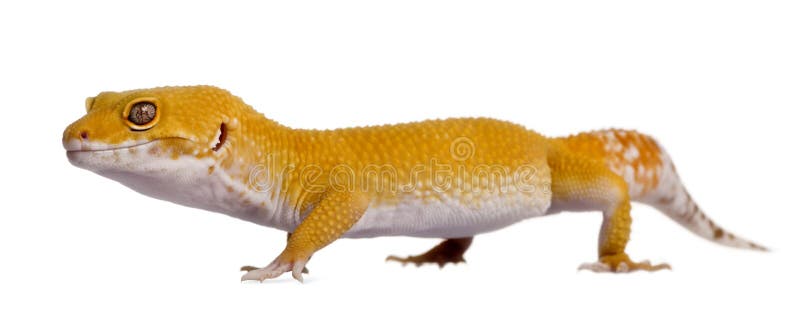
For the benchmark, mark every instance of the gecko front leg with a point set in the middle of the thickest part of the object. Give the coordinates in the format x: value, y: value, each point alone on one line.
x: 448, y: 251
x: 336, y: 213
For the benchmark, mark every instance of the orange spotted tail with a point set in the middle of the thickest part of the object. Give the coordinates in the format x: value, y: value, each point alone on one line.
x: 652, y: 179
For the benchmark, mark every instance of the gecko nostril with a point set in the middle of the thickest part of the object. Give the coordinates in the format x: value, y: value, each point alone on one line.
x: 84, y: 135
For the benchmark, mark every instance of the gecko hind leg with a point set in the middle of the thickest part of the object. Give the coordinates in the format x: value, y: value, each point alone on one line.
x: 448, y: 251
x: 581, y: 183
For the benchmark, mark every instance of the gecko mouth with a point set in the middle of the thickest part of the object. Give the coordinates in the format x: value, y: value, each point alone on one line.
x: 83, y: 148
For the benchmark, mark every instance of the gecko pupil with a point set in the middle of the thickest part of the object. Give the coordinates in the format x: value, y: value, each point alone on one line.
x: 142, y: 113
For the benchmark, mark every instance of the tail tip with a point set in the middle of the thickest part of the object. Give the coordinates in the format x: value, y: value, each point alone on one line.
x: 756, y: 247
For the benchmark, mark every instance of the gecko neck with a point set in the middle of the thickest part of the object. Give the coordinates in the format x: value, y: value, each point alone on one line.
x: 267, y: 168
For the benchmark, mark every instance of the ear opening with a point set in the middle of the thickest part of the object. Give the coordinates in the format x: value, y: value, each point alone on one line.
x: 223, y: 135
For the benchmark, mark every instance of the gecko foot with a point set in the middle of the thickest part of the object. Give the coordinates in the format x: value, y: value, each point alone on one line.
x: 621, y: 263
x: 448, y: 251
x: 275, y: 269
x: 249, y: 268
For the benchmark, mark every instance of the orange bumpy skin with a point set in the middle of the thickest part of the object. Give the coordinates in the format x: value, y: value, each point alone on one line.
x: 203, y: 147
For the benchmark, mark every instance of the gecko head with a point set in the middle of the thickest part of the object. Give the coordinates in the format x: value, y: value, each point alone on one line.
x: 147, y: 132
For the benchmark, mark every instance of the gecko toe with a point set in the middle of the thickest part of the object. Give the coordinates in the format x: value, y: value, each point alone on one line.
x: 595, y: 267
x: 621, y: 263
x: 420, y: 260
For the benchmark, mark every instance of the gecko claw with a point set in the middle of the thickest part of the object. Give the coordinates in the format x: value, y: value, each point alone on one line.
x: 298, y: 269
x: 394, y: 258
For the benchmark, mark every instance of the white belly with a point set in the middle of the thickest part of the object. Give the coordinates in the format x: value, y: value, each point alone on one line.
x: 448, y: 218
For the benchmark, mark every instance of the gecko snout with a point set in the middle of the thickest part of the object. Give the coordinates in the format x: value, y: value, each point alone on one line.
x: 74, y: 136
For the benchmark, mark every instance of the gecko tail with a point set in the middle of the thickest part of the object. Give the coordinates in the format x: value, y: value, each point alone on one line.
x: 671, y: 198
x: 680, y: 207
x: 653, y: 180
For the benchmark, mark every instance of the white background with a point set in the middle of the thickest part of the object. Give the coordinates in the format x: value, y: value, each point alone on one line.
x: 715, y: 81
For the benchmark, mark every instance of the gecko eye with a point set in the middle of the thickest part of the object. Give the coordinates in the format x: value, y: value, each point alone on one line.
x: 142, y: 114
